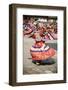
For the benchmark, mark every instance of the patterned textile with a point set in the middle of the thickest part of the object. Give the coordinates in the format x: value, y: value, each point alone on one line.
x: 50, y: 36
x: 28, y: 29
x: 41, y: 52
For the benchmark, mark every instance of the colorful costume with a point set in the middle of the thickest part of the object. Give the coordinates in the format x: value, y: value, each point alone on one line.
x: 40, y: 52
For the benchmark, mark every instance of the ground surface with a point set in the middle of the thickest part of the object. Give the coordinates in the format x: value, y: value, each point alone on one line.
x: 31, y: 68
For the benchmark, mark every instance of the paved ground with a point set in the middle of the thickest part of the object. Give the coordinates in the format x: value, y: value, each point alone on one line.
x: 31, y: 68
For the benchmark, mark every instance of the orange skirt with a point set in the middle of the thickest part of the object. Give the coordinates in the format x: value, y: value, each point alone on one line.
x: 42, y: 54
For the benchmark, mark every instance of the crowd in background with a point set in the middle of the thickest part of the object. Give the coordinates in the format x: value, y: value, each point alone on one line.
x: 45, y: 26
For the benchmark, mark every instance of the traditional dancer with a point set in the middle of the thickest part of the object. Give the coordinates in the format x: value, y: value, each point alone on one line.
x: 40, y: 52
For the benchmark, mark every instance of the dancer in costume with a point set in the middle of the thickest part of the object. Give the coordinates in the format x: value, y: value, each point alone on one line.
x: 40, y: 52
